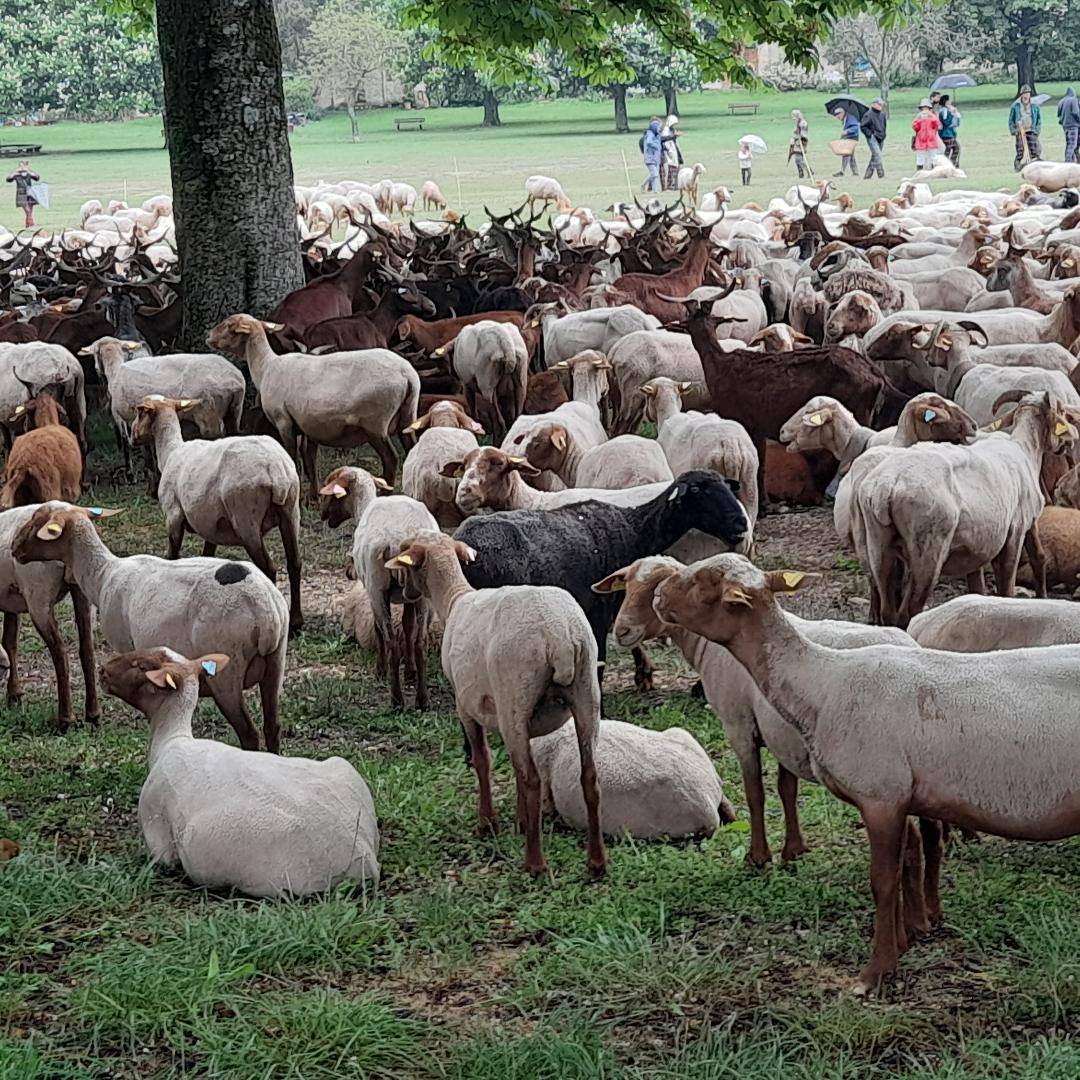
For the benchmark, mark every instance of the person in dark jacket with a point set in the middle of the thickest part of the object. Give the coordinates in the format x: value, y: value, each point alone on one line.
x: 949, y: 115
x: 1025, y: 126
x: 1068, y: 112
x: 22, y: 178
x: 873, y: 127
x: 849, y: 130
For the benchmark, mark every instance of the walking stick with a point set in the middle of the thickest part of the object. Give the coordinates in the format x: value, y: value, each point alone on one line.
x: 1026, y: 159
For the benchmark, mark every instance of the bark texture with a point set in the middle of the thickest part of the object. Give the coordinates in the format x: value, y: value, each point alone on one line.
x: 671, y: 99
x: 618, y: 92
x: 232, y: 176
x: 491, y: 109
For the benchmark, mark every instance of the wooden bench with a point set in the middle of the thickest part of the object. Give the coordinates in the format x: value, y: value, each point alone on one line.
x: 407, y: 123
x: 19, y: 149
x: 738, y: 108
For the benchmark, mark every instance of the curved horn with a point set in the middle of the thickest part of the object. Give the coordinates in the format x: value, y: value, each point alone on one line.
x: 29, y: 387
x: 974, y: 328
x: 1007, y: 398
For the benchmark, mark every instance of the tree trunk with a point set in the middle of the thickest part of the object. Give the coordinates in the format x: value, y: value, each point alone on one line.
x: 618, y: 92
x: 491, y: 109
x: 671, y: 99
x: 232, y: 177
x: 354, y: 124
x: 1025, y: 66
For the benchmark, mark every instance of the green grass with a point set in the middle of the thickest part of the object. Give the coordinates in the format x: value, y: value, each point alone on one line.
x: 572, y: 140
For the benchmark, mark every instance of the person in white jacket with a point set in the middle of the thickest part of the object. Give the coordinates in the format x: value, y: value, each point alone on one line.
x: 671, y: 157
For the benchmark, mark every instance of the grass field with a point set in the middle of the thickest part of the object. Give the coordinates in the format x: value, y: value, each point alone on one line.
x: 684, y: 964
x: 572, y: 140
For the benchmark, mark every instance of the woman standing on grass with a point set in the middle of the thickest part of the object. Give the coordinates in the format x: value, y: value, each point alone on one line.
x: 672, y: 155
x: 800, y: 140
x: 926, y: 127
x: 22, y: 178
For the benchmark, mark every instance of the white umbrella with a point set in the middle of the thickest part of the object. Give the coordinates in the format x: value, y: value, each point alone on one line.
x: 757, y: 143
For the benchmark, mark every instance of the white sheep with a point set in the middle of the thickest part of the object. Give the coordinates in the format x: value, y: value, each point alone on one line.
x: 623, y: 462
x: 403, y: 199
x: 263, y: 825
x: 655, y: 783
x: 544, y: 190
x: 143, y: 602
x: 334, y: 399
x: 228, y: 491
x: 431, y: 196
x: 447, y: 434
x: 520, y: 659
x: 695, y: 440
x: 688, y: 180
x: 491, y: 361
x: 985, y: 741
x: 649, y: 354
x: 27, y: 368
x: 975, y: 623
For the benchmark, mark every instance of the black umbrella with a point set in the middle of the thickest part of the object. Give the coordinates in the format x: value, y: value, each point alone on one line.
x: 848, y: 104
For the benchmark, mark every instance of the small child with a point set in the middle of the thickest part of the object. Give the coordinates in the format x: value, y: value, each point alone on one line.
x: 746, y: 162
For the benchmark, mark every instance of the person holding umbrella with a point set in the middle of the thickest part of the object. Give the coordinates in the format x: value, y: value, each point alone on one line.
x: 1068, y: 112
x: 873, y: 127
x: 24, y: 179
x: 849, y: 124
x: 1025, y: 124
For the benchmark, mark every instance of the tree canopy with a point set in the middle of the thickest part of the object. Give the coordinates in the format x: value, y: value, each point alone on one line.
x: 713, y: 32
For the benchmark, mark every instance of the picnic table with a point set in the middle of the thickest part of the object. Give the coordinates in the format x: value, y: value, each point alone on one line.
x: 738, y: 108
x: 19, y: 149
x: 407, y: 123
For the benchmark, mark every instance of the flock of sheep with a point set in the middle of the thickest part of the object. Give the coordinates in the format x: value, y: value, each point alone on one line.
x: 914, y: 363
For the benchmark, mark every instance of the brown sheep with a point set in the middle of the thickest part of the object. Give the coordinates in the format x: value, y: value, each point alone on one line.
x: 45, y: 463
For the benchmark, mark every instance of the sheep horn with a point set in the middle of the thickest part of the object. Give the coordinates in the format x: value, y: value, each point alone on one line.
x: 974, y: 328
x: 29, y: 387
x: 1008, y: 397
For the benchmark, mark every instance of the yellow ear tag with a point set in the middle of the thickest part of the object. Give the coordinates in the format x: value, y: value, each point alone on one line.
x: 20, y: 409
x: 995, y: 425
x: 792, y: 578
x: 816, y: 419
x: 618, y: 585
x: 169, y: 680
x: 339, y: 492
x: 185, y: 402
x: 534, y: 324
x: 55, y: 528
x: 1060, y: 428
x: 406, y: 559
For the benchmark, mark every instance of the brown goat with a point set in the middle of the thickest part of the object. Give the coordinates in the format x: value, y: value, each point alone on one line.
x: 762, y: 390
x: 45, y: 463
x: 645, y: 290
x: 429, y: 336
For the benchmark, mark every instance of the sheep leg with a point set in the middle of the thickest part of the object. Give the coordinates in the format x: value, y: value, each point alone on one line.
x: 208, y: 550
x: 976, y: 583
x: 176, y: 538
x: 388, y: 457
x: 644, y: 669
x: 765, y: 501
x: 1037, y: 558
x: 528, y: 782
x: 309, y: 456
x: 227, y: 690
x: 886, y: 826
x: 586, y: 709
x: 476, y: 738
x: 11, y: 647
x: 931, y: 832
x: 50, y: 634
x: 125, y: 453
x: 289, y: 527
x: 787, y: 784
x: 759, y: 854
x: 394, y: 658
x: 270, y: 697
x: 412, y: 627
x: 915, y: 922
x: 85, y: 632
x: 1005, y: 565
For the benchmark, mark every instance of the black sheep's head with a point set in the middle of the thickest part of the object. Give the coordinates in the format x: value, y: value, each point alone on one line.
x: 705, y: 500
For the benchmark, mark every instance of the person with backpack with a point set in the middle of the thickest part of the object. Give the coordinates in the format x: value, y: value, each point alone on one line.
x: 652, y: 153
x: 949, y: 115
x: 1068, y: 112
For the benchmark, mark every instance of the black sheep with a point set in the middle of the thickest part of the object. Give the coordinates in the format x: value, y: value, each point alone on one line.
x: 574, y: 546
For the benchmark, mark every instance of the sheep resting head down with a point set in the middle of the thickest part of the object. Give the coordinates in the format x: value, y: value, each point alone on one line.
x: 143, y: 679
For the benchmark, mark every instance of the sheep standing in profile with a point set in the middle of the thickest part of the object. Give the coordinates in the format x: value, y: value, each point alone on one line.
x: 545, y: 190
x: 431, y: 196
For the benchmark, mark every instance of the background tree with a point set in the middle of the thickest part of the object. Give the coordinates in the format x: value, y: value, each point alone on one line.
x: 232, y: 176
x: 889, y: 50
x: 346, y: 45
x: 72, y: 56
x: 656, y: 68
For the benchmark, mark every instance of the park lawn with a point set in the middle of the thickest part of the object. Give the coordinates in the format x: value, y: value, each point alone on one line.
x: 571, y: 140
x: 684, y: 964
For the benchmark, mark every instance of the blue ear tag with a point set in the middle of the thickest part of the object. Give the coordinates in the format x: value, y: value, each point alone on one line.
x: 95, y: 511
x: 929, y: 415
x: 210, y: 667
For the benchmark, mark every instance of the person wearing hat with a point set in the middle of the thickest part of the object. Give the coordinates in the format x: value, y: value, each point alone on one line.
x: 849, y: 130
x: 1068, y: 112
x: 671, y: 154
x: 24, y: 178
x: 926, y: 127
x: 949, y: 115
x: 873, y: 127
x: 800, y: 140
x: 1025, y: 124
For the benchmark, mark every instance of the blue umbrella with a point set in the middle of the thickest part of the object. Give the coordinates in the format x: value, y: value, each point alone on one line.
x: 953, y: 82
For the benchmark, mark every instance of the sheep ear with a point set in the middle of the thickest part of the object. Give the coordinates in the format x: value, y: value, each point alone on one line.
x: 420, y: 423
x: 930, y: 415
x: 818, y: 418
x: 465, y: 553
x: 787, y: 580
x: 51, y: 530
x: 88, y: 350
x: 475, y: 428
x: 96, y: 512
x: 162, y: 679
x: 455, y: 470
x: 380, y: 485
x: 562, y: 365
x: 649, y: 390
x: 558, y: 439
x: 271, y: 327
x: 685, y: 387
x: 523, y: 465
x: 613, y: 582
x: 210, y: 664
x: 733, y: 596
x: 188, y: 403
x: 19, y: 410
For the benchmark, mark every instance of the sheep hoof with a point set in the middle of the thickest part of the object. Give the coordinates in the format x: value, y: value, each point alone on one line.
x: 597, y: 870
x: 793, y: 850
x: 537, y: 869
x: 644, y: 684
x: 60, y: 724
x: 93, y: 719
x: 487, y: 827
x: 759, y: 859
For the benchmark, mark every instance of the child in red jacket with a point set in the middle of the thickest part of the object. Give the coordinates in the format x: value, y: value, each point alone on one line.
x: 926, y: 143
